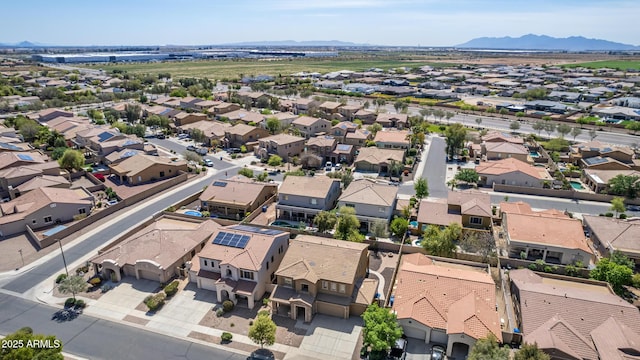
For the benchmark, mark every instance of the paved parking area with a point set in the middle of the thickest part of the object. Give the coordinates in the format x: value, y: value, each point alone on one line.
x: 123, y: 298
x: 417, y: 350
x: 190, y: 304
x: 329, y: 338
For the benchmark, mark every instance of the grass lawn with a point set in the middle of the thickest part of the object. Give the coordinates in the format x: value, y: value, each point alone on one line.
x: 219, y: 69
x: 612, y: 64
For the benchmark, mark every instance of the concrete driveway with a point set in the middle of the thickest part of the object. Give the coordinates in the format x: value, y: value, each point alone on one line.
x: 123, y: 298
x: 328, y: 338
x: 417, y: 350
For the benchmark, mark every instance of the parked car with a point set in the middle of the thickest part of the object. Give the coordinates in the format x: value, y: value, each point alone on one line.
x: 438, y: 353
x: 328, y: 166
x: 191, y: 148
x: 208, y: 163
x: 633, y: 207
x: 234, y: 150
x: 202, y: 151
x: 183, y: 136
x: 399, y: 351
x: 338, y: 167
x: 262, y: 354
x: 161, y: 136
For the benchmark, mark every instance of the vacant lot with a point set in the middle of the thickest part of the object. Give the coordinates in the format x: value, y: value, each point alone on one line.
x: 611, y: 64
x: 229, y: 69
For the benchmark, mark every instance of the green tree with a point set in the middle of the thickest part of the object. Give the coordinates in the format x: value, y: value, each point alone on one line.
x: 593, y: 133
x: 468, y: 176
x: 514, y: 126
x: 273, y: 125
x: 456, y: 135
x: 348, y: 225
x: 325, y: 221
x: 563, y: 130
x: 132, y: 112
x: 617, y: 205
x: 435, y: 242
x: 488, y: 349
x: 624, y: 185
x: 274, y: 160
x: 381, y: 329
x: 192, y: 156
x: 374, y: 128
x: 73, y: 285
x: 633, y: 126
x: 621, y: 259
x: 399, y: 227
x: 263, y: 330
x: 503, y: 111
x: 421, y: 187
x: 379, y: 229
x: 479, y: 120
x: 538, y: 126
x: 246, y: 172
x: 531, y: 352
x: 29, y: 130
x: 71, y: 159
x: 575, y: 132
x: 198, y: 135
x: 549, y: 128
x: 24, y: 352
x: 616, y: 275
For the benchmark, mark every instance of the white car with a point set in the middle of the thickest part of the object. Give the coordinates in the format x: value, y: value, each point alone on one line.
x: 208, y: 162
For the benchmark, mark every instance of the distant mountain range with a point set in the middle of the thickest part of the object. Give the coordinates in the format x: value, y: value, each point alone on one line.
x: 323, y: 43
x: 23, y: 44
x: 544, y: 42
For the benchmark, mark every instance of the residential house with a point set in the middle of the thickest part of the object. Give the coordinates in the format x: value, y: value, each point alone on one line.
x: 388, y: 120
x: 234, y: 198
x: 17, y: 168
x: 511, y: 171
x: 300, y: 198
x: 349, y: 111
x: 609, y: 235
x: 43, y: 207
x: 393, y: 139
x: 504, y: 150
x: 213, y: 131
x: 241, y: 134
x: 330, y: 109
x: 598, y: 180
x: 102, y: 133
x: 285, y: 118
x: 55, y: 181
x: 205, y: 105
x: 302, y: 106
x: 574, y: 320
x: 283, y: 145
x: 446, y: 303
x: 341, y: 129
x: 189, y: 102
x: 244, y: 116
x: 224, y: 108
x: 49, y: 114
x: 550, y: 235
x: 253, y: 97
x: 238, y: 262
x: 371, y: 201
x: 366, y: 116
x: 322, y: 146
x: 581, y: 153
x: 343, y: 154
x: 323, y: 276
x: 469, y: 209
x: 158, y: 252
x: 310, y: 126
x: 377, y: 160
x: 139, y: 169
x: 500, y: 137
x: 359, y: 137
x: 103, y: 145
x: 605, y: 163
x: 184, y: 118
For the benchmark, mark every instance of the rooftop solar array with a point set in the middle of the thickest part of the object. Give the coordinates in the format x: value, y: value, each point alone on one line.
x: 595, y: 160
x: 343, y: 147
x: 129, y: 153
x: 232, y: 240
x: 9, y: 146
x: 25, y: 157
x: 105, y: 136
x: 219, y: 183
x: 256, y: 230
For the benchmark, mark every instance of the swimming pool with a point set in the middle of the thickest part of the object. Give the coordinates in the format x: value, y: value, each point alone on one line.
x: 534, y: 154
x: 413, y: 224
x: 576, y: 185
x: 193, y: 213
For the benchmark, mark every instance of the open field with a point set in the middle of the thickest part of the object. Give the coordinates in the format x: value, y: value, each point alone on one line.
x: 611, y: 64
x: 220, y: 69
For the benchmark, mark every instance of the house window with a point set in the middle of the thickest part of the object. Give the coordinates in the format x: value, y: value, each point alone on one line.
x: 288, y: 282
x: 206, y: 263
x: 82, y: 211
x: 47, y: 219
x: 314, y: 201
x: 286, y: 197
x: 475, y: 220
x: 267, y: 265
x: 334, y: 286
x: 246, y: 274
x: 161, y: 173
x: 325, y: 285
x: 342, y: 288
x: 304, y: 288
x: 381, y: 210
x: 271, y: 258
x: 350, y: 205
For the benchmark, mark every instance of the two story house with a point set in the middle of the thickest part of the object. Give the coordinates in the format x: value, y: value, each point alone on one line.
x: 300, y: 198
x: 372, y: 202
x: 241, y: 134
x: 236, y: 197
x: 238, y: 262
x: 310, y: 126
x: 283, y: 145
x: 469, y: 209
x: 323, y: 276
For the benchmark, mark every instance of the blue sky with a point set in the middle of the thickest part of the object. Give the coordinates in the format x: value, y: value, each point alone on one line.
x: 383, y: 22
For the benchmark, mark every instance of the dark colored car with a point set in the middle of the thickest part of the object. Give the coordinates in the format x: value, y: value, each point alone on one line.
x: 191, y: 148
x: 399, y: 351
x: 202, y: 151
x: 437, y: 353
x: 234, y: 150
x: 161, y: 136
x: 262, y: 354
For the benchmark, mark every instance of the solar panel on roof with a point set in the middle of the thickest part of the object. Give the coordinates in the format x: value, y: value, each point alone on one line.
x: 105, y: 136
x: 8, y: 146
x: 595, y: 160
x: 219, y: 183
x: 232, y: 240
x: 343, y: 147
x: 25, y: 157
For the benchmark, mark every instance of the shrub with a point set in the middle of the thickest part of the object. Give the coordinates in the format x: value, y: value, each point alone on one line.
x: 155, y: 302
x: 226, y: 336
x: 82, y: 269
x: 265, y: 301
x: 227, y: 305
x: 412, y: 152
x: 219, y: 312
x: 533, y: 267
x: 635, y: 281
x: 232, y: 324
x: 95, y: 281
x: 99, y: 204
x: 622, y: 216
x: 79, y: 217
x: 60, y: 278
x: 80, y: 304
x: 69, y: 302
x: 264, y: 313
x: 609, y: 214
x: 171, y: 289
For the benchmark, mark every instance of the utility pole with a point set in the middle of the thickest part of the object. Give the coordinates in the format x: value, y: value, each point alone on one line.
x: 63, y: 258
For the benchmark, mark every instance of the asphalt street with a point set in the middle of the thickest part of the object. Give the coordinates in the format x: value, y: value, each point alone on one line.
x: 435, y: 168
x: 94, y: 338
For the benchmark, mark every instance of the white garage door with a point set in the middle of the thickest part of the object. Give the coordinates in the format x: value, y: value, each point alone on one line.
x: 439, y: 337
x: 415, y: 333
x: 208, y: 284
x: 149, y: 275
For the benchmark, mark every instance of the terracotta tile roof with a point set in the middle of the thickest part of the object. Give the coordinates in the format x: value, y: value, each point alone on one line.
x: 374, y: 155
x: 308, y: 186
x: 569, y: 316
x: 316, y: 258
x: 367, y: 191
x: 392, y: 136
x: 452, y: 299
x: 163, y: 242
x: 546, y: 229
x: 251, y: 257
x: 518, y: 207
x: 436, y: 212
x: 623, y: 235
x: 511, y: 165
x: 236, y: 192
x: 20, y: 207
